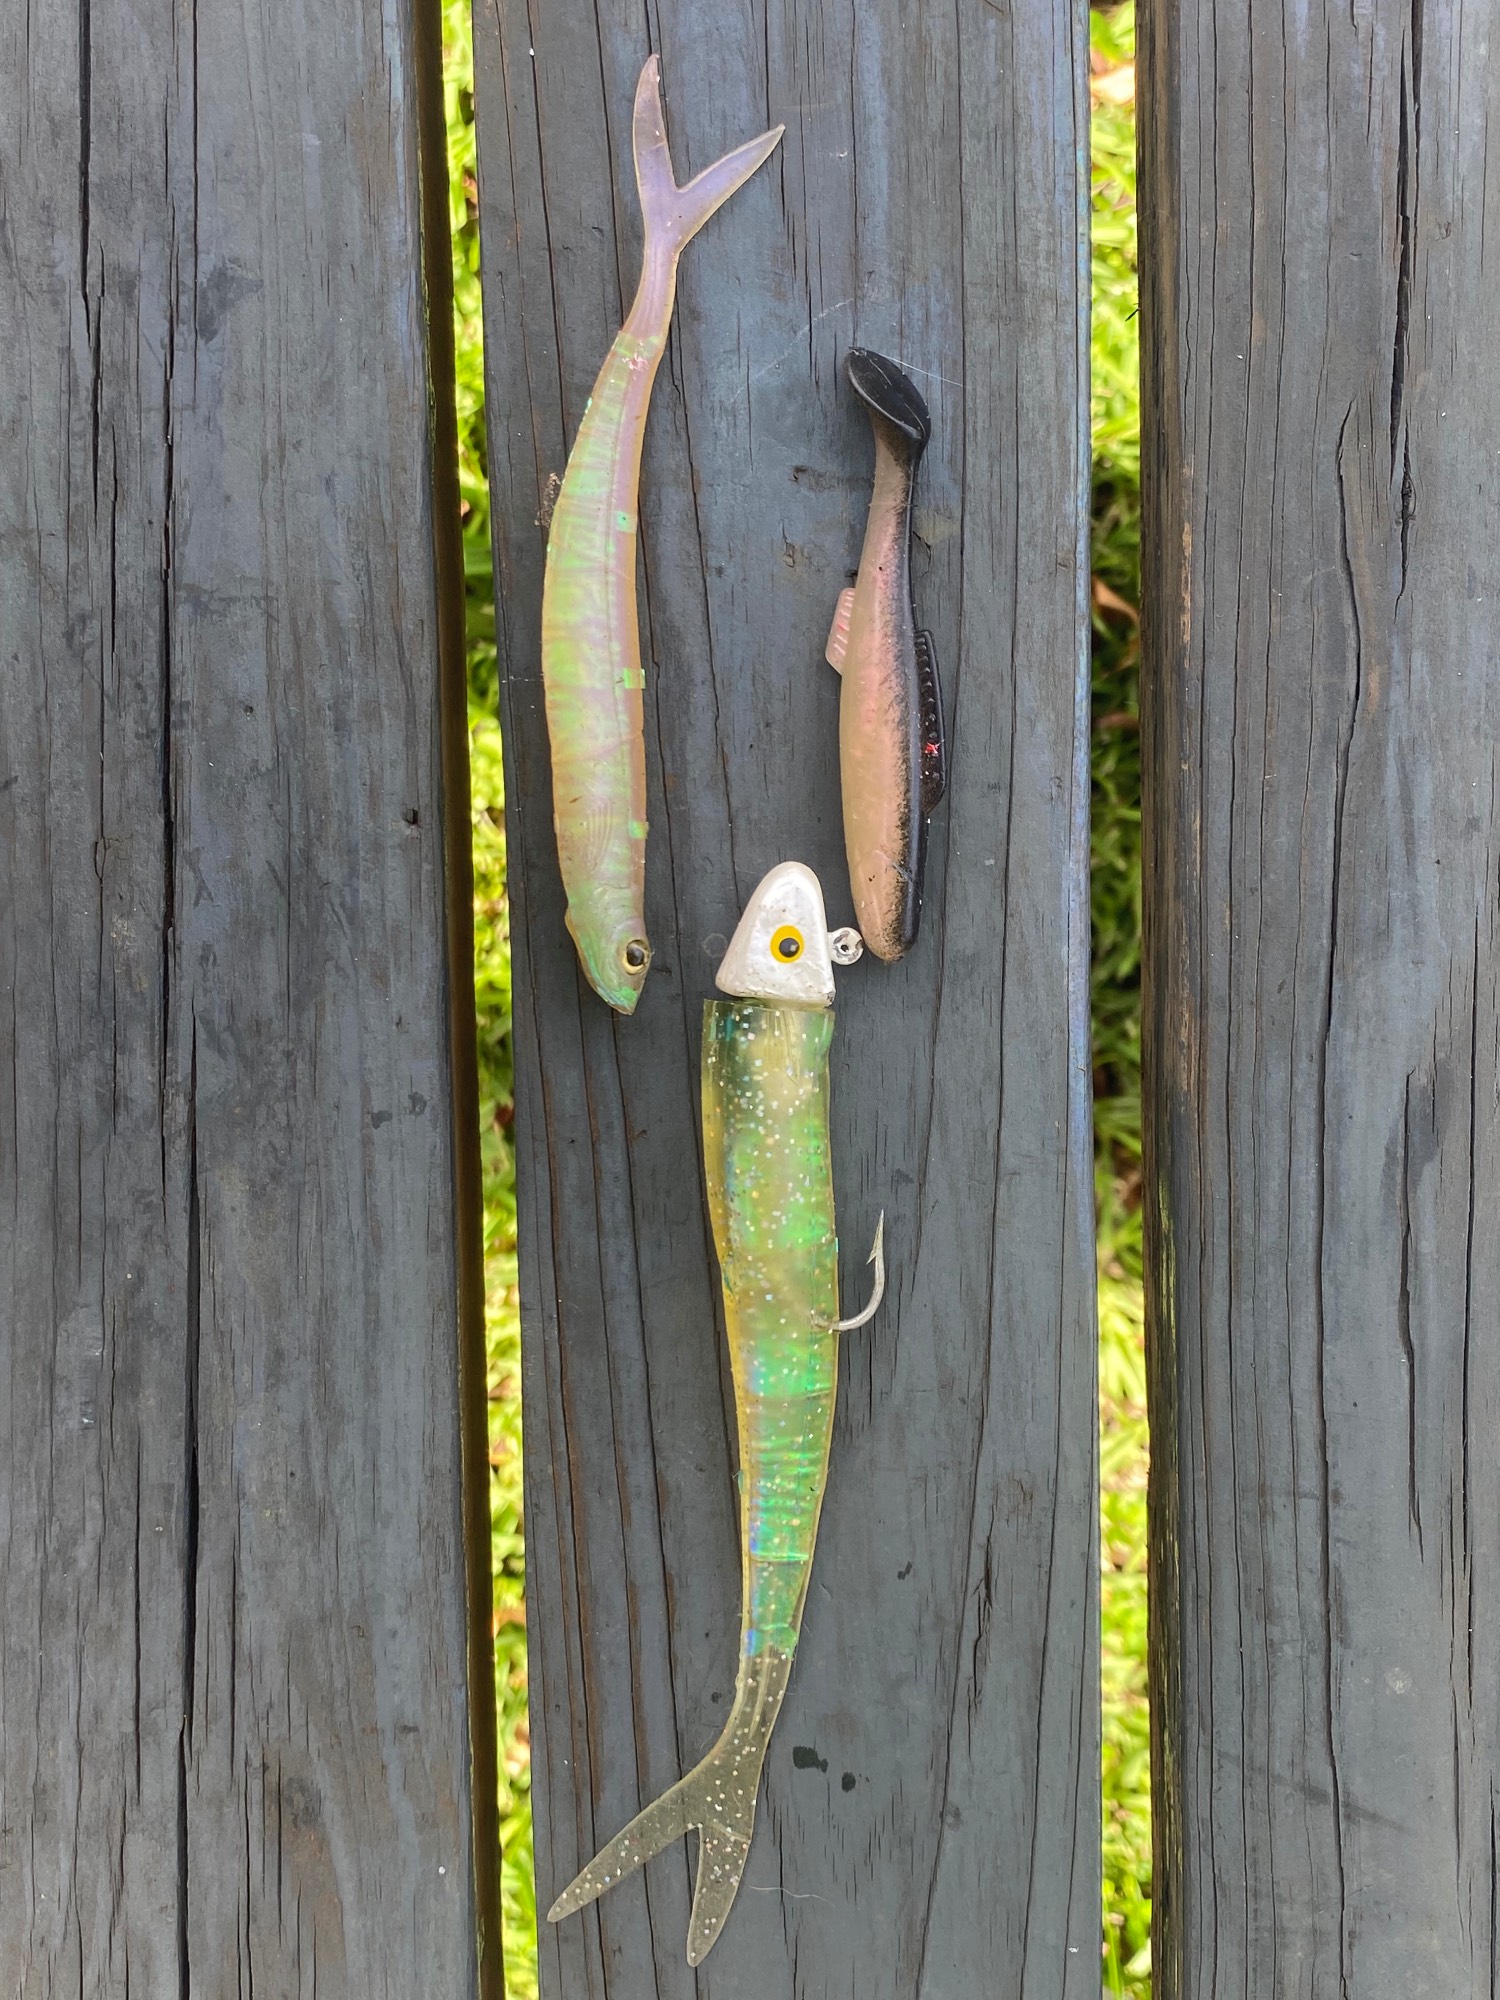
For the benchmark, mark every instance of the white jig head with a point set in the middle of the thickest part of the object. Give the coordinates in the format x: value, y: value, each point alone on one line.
x: 782, y: 950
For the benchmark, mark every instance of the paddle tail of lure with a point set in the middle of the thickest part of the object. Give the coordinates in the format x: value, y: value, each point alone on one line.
x: 891, y: 752
x: 770, y: 1195
x: 591, y: 649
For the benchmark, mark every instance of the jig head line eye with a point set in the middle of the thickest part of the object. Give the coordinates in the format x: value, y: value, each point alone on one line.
x: 786, y: 945
x: 636, y: 955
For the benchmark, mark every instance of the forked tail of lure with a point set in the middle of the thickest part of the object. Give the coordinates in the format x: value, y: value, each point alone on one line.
x: 591, y: 647
x: 716, y: 1800
x: 673, y: 215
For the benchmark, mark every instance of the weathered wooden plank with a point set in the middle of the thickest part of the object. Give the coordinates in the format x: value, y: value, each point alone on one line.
x: 1322, y: 701
x: 234, y: 1731
x: 929, y: 1823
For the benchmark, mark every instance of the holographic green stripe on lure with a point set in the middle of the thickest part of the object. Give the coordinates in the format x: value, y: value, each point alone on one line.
x: 591, y: 648
x: 770, y: 1197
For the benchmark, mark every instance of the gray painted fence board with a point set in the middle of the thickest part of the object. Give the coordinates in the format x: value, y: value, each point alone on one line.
x: 234, y: 1749
x: 937, y: 1835
x: 1323, y: 1033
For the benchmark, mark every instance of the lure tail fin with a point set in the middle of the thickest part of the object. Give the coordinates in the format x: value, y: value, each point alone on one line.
x: 889, y: 394
x: 674, y: 214
x: 717, y: 1798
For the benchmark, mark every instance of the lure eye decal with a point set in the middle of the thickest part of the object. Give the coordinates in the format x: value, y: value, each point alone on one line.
x: 636, y: 955
x: 787, y: 944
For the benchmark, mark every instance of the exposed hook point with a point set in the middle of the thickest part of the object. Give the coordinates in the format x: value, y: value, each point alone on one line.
x: 877, y: 1258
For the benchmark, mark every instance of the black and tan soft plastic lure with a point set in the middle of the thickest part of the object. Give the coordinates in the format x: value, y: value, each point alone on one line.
x: 892, y: 758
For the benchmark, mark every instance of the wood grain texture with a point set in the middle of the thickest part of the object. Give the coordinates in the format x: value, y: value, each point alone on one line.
x: 234, y: 1739
x: 1323, y: 977
x: 929, y: 1819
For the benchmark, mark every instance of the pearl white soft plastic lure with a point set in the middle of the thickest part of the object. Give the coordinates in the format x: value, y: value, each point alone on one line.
x: 591, y: 647
x: 770, y: 1197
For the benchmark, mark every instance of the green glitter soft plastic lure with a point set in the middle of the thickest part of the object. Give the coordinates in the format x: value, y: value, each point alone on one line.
x: 770, y: 1197
x: 591, y: 645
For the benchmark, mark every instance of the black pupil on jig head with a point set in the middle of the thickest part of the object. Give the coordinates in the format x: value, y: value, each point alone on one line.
x: 635, y: 956
x: 789, y: 947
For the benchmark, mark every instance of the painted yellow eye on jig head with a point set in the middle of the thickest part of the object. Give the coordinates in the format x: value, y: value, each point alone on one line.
x: 786, y: 944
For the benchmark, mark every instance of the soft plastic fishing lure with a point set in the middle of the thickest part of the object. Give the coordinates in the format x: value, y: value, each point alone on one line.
x: 770, y: 1197
x: 591, y: 649
x: 892, y: 759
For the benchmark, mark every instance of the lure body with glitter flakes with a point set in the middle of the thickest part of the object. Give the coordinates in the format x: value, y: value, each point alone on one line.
x: 591, y: 648
x: 770, y: 1197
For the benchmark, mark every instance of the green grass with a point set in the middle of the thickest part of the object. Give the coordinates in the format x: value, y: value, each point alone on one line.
x: 1116, y: 1010
x: 492, y: 996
